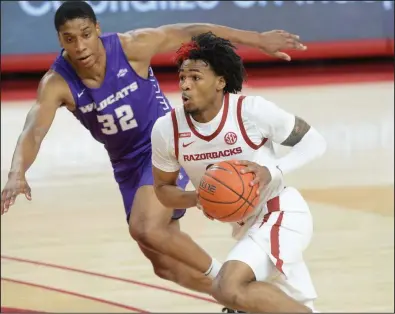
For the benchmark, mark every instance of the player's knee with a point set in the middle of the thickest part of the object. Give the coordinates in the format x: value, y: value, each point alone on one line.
x: 152, y: 237
x: 164, y: 273
x: 142, y: 235
x: 227, y: 291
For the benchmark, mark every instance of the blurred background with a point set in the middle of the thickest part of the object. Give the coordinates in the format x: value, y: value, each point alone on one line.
x: 69, y: 249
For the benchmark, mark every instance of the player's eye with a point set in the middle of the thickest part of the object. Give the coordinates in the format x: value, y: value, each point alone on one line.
x: 87, y: 35
x: 196, y: 78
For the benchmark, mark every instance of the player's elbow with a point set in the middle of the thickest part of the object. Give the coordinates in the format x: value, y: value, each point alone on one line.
x: 160, y: 192
x: 319, y: 143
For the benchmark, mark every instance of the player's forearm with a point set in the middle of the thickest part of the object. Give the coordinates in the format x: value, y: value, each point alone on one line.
x: 25, y: 153
x: 311, y: 146
x: 173, y: 197
x: 236, y: 36
x: 181, y: 33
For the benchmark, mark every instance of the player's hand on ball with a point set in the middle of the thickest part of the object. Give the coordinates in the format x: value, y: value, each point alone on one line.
x: 15, y: 185
x: 200, y: 207
x: 274, y: 41
x: 262, y: 173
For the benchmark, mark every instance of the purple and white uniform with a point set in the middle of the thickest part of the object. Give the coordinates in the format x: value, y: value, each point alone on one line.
x: 120, y: 114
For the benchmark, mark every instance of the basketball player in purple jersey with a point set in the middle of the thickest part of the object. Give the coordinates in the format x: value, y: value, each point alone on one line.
x: 107, y: 83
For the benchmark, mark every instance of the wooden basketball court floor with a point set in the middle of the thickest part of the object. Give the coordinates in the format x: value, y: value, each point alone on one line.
x: 69, y: 250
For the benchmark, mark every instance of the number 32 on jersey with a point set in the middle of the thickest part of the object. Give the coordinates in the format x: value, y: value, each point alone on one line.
x: 125, y: 117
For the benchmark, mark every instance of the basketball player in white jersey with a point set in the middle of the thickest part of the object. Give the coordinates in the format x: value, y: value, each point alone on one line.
x: 265, y: 271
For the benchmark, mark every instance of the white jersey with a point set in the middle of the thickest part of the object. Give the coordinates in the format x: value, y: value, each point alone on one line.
x: 244, y: 129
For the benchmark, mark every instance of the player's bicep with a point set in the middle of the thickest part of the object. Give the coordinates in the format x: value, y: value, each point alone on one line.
x: 163, y: 178
x: 143, y: 44
x: 162, y: 143
x: 274, y: 122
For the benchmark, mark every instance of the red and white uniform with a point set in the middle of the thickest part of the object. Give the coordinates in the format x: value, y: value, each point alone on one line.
x: 273, y: 240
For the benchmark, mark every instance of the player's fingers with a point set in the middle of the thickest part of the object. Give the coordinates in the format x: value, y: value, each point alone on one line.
x: 282, y: 55
x: 28, y: 194
x: 291, y: 43
x: 242, y: 162
x: 6, y: 204
x: 3, y: 201
x: 6, y: 199
x: 249, y: 169
x: 255, y: 181
x: 292, y: 36
x: 12, y: 200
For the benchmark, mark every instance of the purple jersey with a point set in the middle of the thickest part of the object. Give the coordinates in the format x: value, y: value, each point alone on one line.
x: 120, y: 113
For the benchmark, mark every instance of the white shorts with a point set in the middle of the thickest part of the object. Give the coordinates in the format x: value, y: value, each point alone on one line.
x: 273, y: 247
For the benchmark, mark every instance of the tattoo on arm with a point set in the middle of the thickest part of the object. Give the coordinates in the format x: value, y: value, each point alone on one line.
x: 300, y: 129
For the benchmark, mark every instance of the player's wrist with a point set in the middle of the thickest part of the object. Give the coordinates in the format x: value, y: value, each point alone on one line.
x: 16, y: 174
x: 192, y: 198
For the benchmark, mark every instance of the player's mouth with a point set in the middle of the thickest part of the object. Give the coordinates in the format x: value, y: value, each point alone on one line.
x: 85, y: 60
x: 185, y: 99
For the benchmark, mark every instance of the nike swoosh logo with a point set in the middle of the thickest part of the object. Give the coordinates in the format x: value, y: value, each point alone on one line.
x: 80, y: 94
x: 186, y: 145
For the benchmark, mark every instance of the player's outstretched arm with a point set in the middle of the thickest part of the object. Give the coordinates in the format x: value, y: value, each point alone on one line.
x: 37, y: 124
x: 143, y: 44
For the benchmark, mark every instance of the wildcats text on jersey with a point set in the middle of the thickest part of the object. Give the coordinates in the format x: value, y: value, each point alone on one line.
x: 110, y: 99
x: 214, y: 155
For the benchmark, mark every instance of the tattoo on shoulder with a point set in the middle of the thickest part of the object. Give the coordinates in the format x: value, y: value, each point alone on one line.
x: 300, y: 129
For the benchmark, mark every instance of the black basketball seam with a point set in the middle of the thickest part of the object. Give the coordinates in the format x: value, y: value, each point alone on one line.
x: 240, y: 196
x: 246, y: 201
x: 224, y: 184
x: 241, y: 180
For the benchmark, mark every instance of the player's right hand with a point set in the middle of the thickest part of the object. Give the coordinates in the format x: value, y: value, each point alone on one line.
x: 200, y: 207
x: 15, y: 185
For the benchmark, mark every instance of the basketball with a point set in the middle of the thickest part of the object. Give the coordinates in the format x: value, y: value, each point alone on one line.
x: 225, y: 194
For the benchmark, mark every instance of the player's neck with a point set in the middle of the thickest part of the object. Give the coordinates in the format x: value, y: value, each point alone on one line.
x: 211, y: 112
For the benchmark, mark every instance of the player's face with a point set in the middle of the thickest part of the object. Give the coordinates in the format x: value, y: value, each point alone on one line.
x: 199, y: 85
x: 80, y: 39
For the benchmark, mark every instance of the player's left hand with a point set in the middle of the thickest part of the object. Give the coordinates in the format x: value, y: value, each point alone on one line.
x: 262, y: 173
x: 273, y: 42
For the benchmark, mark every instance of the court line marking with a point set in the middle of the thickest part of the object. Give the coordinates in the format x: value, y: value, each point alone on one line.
x: 7, y: 309
x: 91, y: 273
x: 75, y: 294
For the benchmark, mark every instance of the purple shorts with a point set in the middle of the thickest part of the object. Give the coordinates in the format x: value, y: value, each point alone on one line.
x: 141, y: 176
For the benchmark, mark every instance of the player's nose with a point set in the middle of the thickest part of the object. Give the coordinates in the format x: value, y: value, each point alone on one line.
x: 185, y: 85
x: 79, y: 46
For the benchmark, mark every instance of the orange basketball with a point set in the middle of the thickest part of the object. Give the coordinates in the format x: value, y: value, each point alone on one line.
x: 226, y: 194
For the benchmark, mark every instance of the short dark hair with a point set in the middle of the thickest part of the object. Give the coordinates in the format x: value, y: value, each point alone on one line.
x: 71, y: 10
x: 220, y: 54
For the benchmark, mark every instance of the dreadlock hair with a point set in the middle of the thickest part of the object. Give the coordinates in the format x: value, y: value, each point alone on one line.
x: 71, y: 10
x: 220, y: 54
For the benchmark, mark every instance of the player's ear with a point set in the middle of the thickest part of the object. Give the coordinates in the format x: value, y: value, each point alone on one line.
x: 221, y: 83
x: 98, y: 29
